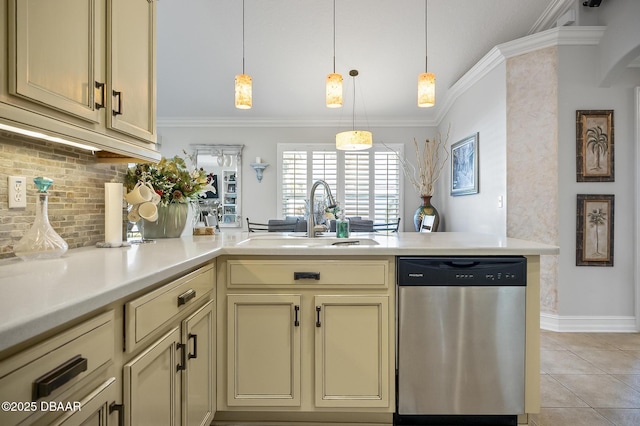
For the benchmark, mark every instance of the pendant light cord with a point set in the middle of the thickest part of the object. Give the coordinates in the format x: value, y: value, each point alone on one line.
x: 334, y: 36
x: 242, y: 36
x: 353, y: 122
x: 426, y: 69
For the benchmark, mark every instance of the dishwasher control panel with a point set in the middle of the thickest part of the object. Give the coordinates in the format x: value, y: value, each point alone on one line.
x: 470, y: 271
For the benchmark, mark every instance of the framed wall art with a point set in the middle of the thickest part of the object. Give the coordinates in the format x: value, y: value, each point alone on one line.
x: 464, y: 166
x: 594, y: 146
x: 594, y: 230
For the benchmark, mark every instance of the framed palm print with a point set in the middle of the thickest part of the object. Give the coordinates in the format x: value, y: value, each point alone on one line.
x: 594, y: 146
x: 464, y: 166
x: 594, y: 230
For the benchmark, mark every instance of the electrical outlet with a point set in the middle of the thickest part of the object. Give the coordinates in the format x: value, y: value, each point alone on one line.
x: 17, y: 192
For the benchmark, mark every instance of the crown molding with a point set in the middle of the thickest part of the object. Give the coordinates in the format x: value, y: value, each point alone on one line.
x: 562, y: 36
x: 213, y: 122
x: 550, y: 16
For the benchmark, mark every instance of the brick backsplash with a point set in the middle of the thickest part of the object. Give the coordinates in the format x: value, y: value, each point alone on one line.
x: 76, y: 198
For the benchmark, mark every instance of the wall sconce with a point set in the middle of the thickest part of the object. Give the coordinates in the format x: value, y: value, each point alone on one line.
x: 259, y: 167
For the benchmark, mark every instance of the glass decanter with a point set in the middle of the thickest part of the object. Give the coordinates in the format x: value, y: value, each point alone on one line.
x: 41, y: 241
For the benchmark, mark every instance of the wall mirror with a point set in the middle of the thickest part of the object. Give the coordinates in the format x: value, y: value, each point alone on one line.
x: 221, y: 203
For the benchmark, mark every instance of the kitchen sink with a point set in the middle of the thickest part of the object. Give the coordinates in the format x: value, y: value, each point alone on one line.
x: 298, y: 241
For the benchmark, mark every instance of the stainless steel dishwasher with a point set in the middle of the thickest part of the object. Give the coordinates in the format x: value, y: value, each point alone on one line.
x: 461, y: 340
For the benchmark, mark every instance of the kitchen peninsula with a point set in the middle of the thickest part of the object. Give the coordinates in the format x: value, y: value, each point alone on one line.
x: 121, y: 297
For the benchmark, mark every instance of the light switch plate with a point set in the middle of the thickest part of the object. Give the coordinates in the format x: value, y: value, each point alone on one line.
x: 17, y: 192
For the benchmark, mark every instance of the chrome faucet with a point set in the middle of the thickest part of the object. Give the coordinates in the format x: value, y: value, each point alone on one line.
x: 311, y: 223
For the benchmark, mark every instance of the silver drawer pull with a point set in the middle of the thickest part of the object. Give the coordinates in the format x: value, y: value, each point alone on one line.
x: 44, y: 385
x: 186, y: 296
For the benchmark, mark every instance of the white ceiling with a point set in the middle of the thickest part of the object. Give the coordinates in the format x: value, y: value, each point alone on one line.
x: 289, y: 52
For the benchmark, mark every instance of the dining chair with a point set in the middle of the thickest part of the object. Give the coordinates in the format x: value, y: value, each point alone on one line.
x: 388, y: 227
x: 279, y: 225
x: 257, y: 227
x: 360, y: 225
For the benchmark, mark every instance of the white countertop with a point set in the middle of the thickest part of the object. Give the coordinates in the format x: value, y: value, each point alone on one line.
x: 42, y: 294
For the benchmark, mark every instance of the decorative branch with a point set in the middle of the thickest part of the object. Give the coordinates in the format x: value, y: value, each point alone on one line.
x: 430, y: 161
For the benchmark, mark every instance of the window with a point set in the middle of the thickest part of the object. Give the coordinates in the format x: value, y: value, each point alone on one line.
x: 365, y: 183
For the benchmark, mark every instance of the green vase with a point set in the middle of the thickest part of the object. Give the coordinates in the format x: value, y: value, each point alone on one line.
x: 426, y: 209
x: 172, y: 219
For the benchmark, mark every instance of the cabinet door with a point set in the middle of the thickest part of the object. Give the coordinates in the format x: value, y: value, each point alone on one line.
x: 152, y: 384
x: 93, y: 410
x: 58, y: 54
x: 132, y: 66
x: 351, y: 351
x: 198, y: 332
x: 263, y: 350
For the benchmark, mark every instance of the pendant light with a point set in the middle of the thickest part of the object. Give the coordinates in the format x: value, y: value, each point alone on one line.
x: 426, y: 80
x: 354, y: 140
x: 334, y: 81
x: 243, y: 81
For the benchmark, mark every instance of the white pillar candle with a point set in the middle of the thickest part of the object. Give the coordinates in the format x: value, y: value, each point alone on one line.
x: 113, y: 193
x: 258, y: 160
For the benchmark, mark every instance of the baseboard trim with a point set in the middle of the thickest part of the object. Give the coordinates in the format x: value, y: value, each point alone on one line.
x: 600, y: 324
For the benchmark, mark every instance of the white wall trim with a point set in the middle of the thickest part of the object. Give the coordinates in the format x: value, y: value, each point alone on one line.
x: 290, y: 122
x: 600, y: 324
x: 637, y: 217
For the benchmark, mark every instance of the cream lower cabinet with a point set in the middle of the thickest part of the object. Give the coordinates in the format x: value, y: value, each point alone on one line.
x: 152, y: 384
x: 169, y: 372
x: 351, y: 351
x: 199, y: 375
x: 263, y: 350
x: 306, y: 336
x: 351, y: 362
x: 67, y: 379
x: 96, y: 409
x: 172, y: 381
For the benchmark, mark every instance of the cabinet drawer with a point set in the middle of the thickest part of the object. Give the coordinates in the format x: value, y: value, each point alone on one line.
x: 308, y: 273
x: 145, y: 314
x: 49, y: 369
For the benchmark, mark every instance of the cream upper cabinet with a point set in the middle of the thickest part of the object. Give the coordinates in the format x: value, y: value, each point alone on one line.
x: 51, y: 66
x: 132, y: 66
x: 352, y: 351
x: 263, y: 350
x: 83, y: 71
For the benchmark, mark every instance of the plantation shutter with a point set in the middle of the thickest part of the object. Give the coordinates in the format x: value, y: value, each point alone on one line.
x: 356, y: 184
x: 365, y: 183
x: 294, y: 183
x: 325, y: 167
x: 387, y: 175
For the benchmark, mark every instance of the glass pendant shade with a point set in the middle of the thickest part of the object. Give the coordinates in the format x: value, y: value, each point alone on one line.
x: 354, y: 140
x: 426, y: 90
x: 334, y: 90
x: 243, y: 91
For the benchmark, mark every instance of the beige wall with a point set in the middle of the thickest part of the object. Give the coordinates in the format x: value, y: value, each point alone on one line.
x: 532, y: 159
x: 76, y: 200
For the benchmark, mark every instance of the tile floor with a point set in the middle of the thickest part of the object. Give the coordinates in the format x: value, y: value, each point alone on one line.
x: 589, y: 379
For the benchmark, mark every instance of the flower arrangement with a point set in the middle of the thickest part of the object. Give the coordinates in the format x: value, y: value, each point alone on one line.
x: 430, y: 160
x: 170, y: 178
